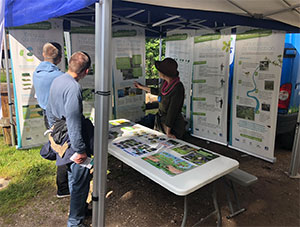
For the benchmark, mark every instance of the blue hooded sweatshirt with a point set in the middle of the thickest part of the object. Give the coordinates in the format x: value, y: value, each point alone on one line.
x: 43, y: 76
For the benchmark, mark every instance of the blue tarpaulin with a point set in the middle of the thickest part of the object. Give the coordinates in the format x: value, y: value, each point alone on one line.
x: 20, y: 12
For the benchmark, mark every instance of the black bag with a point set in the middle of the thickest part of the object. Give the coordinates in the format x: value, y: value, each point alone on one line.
x: 47, y: 153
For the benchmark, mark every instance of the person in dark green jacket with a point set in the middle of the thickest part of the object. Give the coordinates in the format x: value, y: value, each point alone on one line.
x: 169, y: 119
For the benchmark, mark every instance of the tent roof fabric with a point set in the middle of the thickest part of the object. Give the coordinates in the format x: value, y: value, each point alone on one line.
x: 20, y: 12
x: 286, y: 11
x: 157, y: 20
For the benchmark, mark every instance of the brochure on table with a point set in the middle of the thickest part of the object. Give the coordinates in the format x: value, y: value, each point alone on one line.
x: 169, y: 155
x: 26, y: 46
x: 83, y: 39
x: 128, y: 51
x: 179, y: 45
x: 210, y: 85
x: 256, y: 81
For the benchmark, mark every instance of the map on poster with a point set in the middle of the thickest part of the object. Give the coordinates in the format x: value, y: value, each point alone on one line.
x: 168, y: 163
x: 26, y: 46
x: 210, y: 85
x: 256, y: 81
x: 199, y: 157
x: 128, y: 43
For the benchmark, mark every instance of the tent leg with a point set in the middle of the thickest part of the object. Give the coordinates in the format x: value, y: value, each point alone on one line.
x: 295, y: 161
x: 11, y: 122
x: 103, y: 69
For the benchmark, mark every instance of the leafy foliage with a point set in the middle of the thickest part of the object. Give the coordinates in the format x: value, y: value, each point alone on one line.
x: 152, y: 55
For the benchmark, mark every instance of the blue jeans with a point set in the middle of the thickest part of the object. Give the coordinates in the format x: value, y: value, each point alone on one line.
x: 79, y: 185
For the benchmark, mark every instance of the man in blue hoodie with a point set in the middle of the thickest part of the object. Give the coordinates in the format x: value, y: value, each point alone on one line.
x: 43, y: 77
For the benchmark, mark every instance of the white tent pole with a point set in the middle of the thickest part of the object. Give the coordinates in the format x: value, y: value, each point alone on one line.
x: 160, y: 43
x: 295, y: 161
x: 103, y: 11
x: 12, y: 128
x: 68, y: 44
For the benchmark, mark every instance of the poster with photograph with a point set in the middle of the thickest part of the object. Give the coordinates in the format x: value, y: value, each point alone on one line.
x: 128, y: 59
x: 257, y: 72
x: 26, y: 46
x: 210, y: 85
x: 169, y: 163
x: 83, y: 39
x: 179, y: 46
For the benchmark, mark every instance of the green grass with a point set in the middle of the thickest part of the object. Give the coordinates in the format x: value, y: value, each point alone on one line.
x: 3, y: 77
x: 29, y: 175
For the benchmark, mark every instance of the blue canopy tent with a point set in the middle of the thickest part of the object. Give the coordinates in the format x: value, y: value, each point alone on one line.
x: 156, y: 20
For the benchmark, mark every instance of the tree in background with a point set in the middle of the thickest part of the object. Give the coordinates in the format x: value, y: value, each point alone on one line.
x: 152, y: 55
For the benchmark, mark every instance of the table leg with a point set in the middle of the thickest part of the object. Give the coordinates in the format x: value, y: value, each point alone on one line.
x: 217, y: 209
x: 185, y: 211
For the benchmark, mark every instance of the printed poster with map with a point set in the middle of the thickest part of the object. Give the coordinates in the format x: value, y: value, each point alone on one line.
x: 128, y: 44
x: 169, y: 163
x: 26, y: 47
x: 257, y: 72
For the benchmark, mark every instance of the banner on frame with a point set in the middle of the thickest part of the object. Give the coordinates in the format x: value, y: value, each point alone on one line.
x: 210, y: 85
x: 257, y: 72
x: 26, y: 47
x: 128, y: 52
x: 83, y: 39
x: 179, y: 46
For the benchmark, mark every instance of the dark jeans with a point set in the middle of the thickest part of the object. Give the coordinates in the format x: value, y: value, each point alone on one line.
x: 62, y: 180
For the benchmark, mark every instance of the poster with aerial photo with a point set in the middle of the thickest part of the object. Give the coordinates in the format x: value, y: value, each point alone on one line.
x: 83, y: 39
x: 210, y: 85
x: 168, y: 163
x: 128, y: 51
x: 199, y: 157
x: 26, y: 47
x: 257, y: 72
x: 179, y: 45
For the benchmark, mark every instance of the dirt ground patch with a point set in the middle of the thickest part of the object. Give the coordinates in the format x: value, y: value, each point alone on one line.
x: 137, y: 201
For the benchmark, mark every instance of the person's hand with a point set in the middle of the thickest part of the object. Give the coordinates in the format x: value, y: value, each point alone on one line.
x: 80, y: 158
x: 138, y: 85
x: 169, y: 135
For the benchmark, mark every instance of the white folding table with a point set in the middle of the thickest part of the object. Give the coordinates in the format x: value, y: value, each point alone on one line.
x: 182, y: 184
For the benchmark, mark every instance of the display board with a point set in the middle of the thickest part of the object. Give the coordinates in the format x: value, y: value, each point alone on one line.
x: 26, y: 46
x: 179, y: 46
x: 257, y: 72
x: 210, y: 85
x: 128, y: 52
x: 83, y: 39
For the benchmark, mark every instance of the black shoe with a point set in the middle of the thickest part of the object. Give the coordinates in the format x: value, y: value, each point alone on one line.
x: 60, y: 196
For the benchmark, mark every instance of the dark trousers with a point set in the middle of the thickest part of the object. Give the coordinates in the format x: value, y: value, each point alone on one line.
x: 62, y: 180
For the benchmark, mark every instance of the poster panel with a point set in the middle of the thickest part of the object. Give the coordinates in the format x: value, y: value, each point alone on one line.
x: 210, y: 85
x: 128, y: 51
x: 26, y: 46
x: 179, y: 46
x: 257, y: 72
x: 83, y: 39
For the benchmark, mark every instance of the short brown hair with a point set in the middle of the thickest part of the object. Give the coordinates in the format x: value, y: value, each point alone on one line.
x: 52, y: 51
x: 79, y: 62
